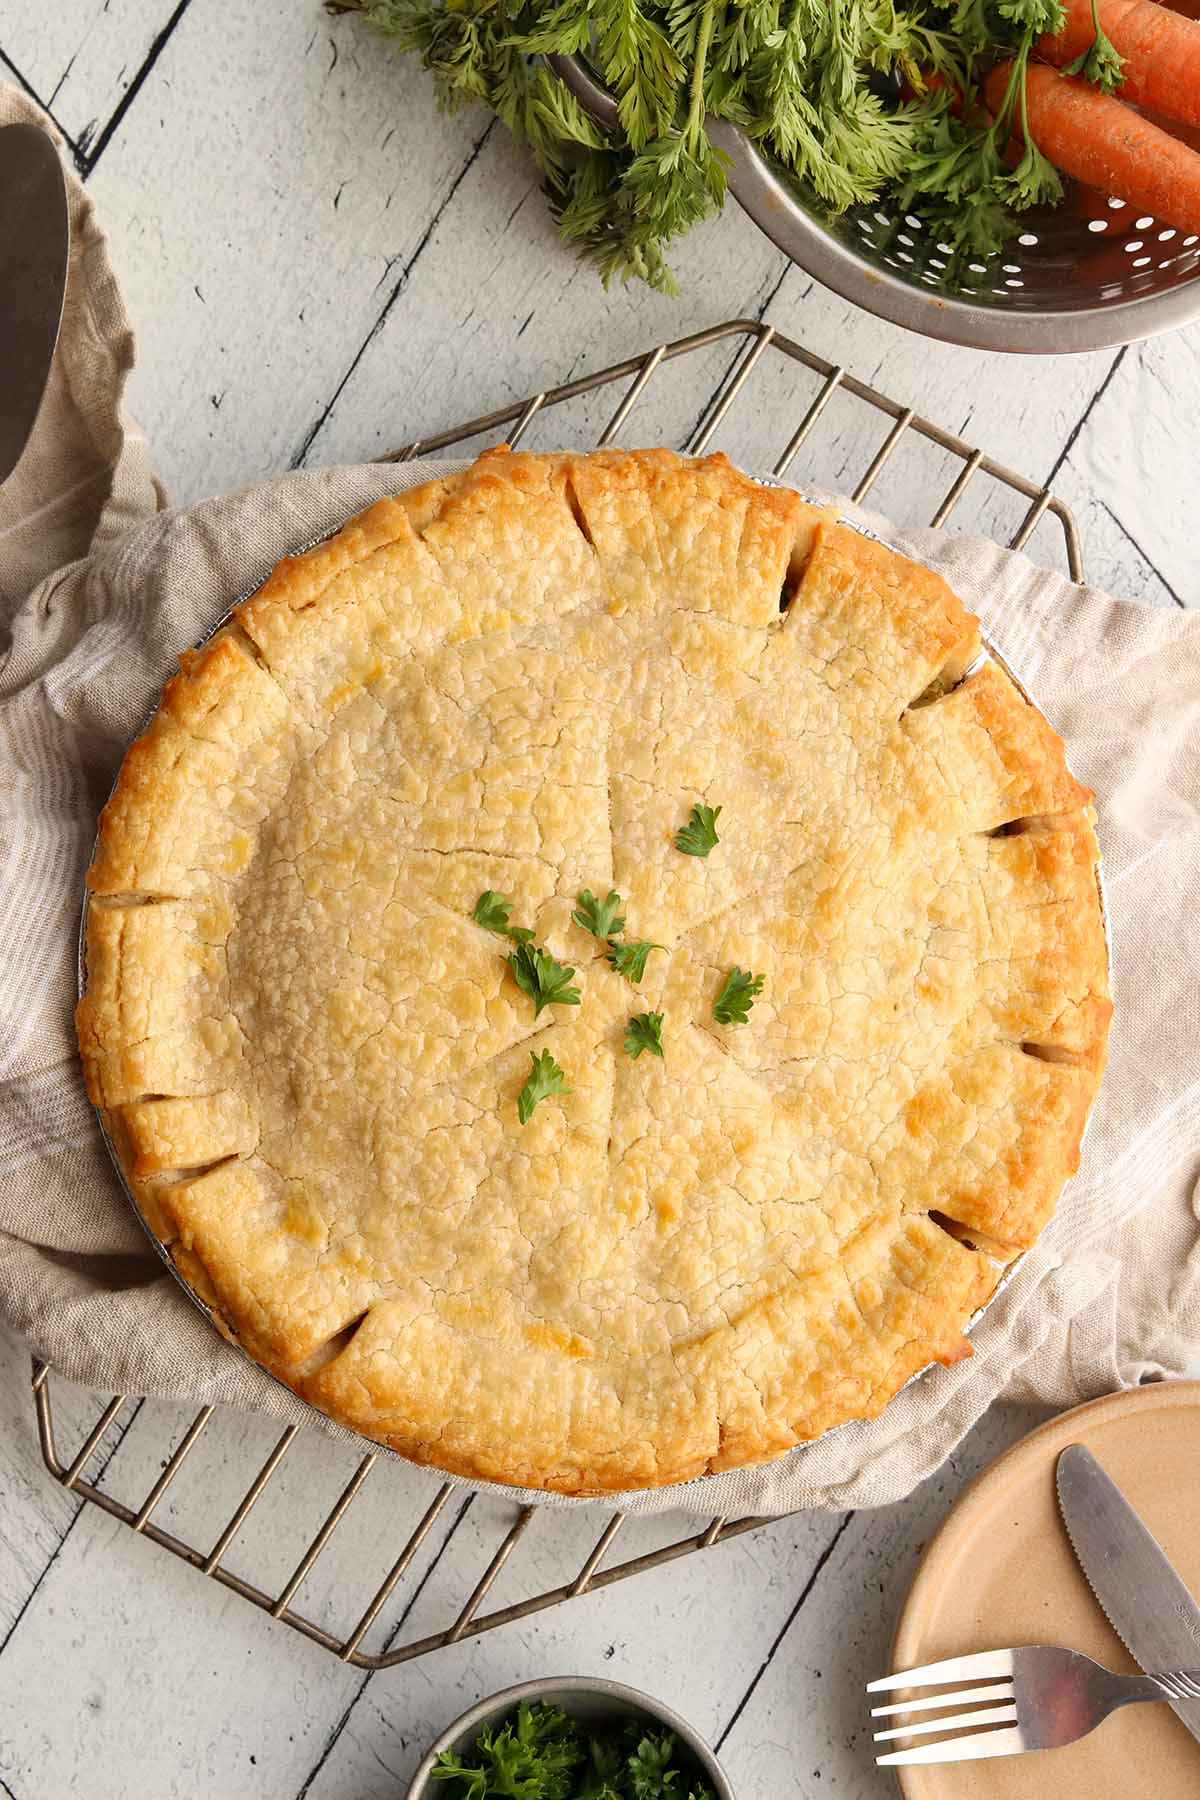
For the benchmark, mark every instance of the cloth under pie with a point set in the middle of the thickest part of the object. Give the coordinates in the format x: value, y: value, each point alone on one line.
x: 308, y: 1053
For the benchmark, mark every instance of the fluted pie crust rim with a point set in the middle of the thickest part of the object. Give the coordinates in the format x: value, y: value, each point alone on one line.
x: 307, y: 1054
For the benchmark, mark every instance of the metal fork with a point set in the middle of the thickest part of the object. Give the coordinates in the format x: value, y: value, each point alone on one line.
x: 1050, y: 1696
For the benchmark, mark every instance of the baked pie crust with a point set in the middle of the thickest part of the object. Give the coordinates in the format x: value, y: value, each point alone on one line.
x: 308, y: 1054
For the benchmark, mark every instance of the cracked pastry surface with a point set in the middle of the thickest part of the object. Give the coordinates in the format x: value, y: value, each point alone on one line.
x: 309, y: 1054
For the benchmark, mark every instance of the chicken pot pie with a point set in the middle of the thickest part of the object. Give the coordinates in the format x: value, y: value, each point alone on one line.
x: 308, y: 1025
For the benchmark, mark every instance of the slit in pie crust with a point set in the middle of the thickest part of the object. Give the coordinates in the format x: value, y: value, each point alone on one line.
x: 308, y: 1054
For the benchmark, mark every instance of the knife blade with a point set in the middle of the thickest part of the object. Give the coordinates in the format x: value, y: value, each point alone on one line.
x: 1128, y: 1571
x: 35, y: 238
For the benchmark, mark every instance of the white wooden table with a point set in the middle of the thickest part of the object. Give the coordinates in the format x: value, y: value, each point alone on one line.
x: 321, y: 267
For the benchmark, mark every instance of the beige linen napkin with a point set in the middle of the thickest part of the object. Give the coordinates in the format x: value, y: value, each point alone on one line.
x: 98, y: 590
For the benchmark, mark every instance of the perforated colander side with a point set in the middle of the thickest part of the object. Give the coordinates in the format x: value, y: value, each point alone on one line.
x: 1089, y: 251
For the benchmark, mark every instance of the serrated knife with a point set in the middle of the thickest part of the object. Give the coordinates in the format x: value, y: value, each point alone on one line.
x: 1142, y: 1597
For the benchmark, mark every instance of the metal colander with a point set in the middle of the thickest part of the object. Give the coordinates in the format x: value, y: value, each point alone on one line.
x: 1085, y: 275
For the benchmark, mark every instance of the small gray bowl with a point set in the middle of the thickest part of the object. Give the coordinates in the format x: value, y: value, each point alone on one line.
x: 591, y: 1700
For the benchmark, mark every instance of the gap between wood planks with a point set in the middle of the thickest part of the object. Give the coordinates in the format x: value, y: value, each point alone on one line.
x: 1153, y: 567
x: 348, y: 1711
x: 768, y: 1659
x: 773, y: 285
x: 6, y: 62
x: 465, y: 169
x: 93, y: 149
x: 87, y: 149
x: 121, y: 1430
x: 1085, y: 415
x: 1073, y: 436
x: 344, y: 1719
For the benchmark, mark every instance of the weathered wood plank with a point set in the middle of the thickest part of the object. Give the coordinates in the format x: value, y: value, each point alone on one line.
x: 80, y: 56
x: 255, y: 269
x: 1134, y: 469
x: 306, y: 1485
x: 35, y: 1512
x: 1114, y: 560
x: 130, y: 1673
x: 517, y: 310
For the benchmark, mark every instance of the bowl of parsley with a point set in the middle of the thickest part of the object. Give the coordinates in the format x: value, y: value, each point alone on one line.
x: 570, y: 1737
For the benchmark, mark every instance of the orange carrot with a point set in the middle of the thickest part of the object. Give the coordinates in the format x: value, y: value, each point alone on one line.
x: 1106, y: 144
x: 1187, y: 134
x: 1160, y: 52
x: 932, y: 82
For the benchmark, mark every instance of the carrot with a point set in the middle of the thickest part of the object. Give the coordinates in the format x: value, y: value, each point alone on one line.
x: 1187, y: 134
x: 1106, y: 144
x: 1159, y: 48
x: 933, y: 82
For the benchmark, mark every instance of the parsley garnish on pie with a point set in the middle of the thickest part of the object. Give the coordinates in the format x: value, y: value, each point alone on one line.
x: 629, y: 960
x: 548, y: 983
x: 604, y: 921
x: 545, y: 1078
x: 644, y: 1032
x: 699, y: 835
x: 600, y: 917
x: 732, y: 1005
x: 492, y: 910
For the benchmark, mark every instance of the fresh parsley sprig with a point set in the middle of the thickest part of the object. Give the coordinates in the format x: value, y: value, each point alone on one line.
x: 1101, y: 63
x: 605, y: 921
x: 535, y: 971
x: 539, y: 1753
x: 547, y: 982
x: 629, y: 959
x: 491, y: 910
x: 545, y: 1078
x: 699, y: 835
x: 644, y: 1032
x: 601, y: 917
x: 534, y: 1751
x: 738, y: 993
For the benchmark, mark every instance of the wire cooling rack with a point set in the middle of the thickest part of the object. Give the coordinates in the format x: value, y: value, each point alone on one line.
x: 756, y: 381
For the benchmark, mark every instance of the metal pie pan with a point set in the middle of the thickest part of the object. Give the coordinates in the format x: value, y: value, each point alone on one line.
x: 219, y: 1323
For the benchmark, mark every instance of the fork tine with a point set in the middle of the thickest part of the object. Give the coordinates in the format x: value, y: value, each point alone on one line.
x: 957, y: 1668
x: 987, y: 1715
x: 1003, y: 1690
x: 980, y: 1743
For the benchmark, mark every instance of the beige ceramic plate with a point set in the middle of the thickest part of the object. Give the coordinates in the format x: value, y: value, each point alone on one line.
x: 1000, y: 1571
